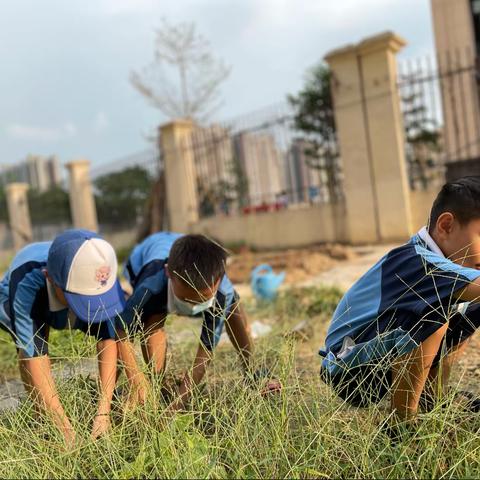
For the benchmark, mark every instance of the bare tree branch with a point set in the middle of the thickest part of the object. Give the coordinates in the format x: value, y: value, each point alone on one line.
x: 184, y: 79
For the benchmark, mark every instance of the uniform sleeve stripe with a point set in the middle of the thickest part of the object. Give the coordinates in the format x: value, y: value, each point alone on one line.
x: 446, y: 265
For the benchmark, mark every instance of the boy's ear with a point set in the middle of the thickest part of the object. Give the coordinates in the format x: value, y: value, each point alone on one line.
x: 167, y: 272
x: 445, y: 223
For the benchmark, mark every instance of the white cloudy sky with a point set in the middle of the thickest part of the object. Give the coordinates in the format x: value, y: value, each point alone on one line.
x: 65, y: 64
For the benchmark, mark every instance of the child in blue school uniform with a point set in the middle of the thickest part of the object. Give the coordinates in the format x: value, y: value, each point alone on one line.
x: 76, y: 272
x: 183, y: 274
x: 404, y: 323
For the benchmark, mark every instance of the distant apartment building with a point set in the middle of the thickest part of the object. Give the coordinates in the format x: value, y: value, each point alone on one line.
x: 41, y: 173
x: 13, y: 173
x: 457, y: 39
x: 263, y: 166
x: 304, y: 181
x: 213, y: 154
x: 225, y: 161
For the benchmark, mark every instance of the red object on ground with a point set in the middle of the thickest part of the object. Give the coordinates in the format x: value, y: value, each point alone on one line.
x: 273, y: 386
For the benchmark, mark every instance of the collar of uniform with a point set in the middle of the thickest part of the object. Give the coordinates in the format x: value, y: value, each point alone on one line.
x: 53, y: 302
x: 426, y: 237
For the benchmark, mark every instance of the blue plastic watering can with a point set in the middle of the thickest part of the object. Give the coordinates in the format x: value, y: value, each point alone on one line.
x: 265, y: 283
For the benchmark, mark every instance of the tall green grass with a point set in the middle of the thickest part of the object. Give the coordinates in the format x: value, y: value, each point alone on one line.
x: 230, y: 431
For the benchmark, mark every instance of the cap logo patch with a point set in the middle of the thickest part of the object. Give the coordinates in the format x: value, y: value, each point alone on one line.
x: 102, y: 274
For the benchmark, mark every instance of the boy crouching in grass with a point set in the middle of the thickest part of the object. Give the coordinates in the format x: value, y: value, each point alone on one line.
x: 77, y: 271
x: 183, y: 274
x: 402, y: 326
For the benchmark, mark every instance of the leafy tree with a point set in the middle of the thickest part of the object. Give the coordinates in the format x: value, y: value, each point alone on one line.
x: 241, y: 184
x: 184, y: 79
x: 422, y: 135
x: 225, y: 193
x: 121, y: 196
x: 314, y: 116
x: 49, y: 207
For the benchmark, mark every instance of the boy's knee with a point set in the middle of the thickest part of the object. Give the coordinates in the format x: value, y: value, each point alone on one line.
x: 436, y: 336
x: 154, y: 324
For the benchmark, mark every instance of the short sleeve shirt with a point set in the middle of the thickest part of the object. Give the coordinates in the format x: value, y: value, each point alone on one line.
x: 29, y: 306
x: 413, y: 281
x: 25, y: 299
x: 145, y: 270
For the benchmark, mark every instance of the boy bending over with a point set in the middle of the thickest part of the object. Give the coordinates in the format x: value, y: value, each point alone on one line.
x: 183, y: 274
x: 401, y: 327
x: 78, y: 270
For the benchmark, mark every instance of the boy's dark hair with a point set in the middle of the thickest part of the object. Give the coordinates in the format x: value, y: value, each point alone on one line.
x: 461, y: 198
x: 199, y: 261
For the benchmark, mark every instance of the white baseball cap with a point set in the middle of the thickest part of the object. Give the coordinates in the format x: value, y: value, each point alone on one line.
x: 84, y: 266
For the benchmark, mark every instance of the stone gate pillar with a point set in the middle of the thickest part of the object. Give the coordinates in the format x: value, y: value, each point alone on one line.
x: 82, y: 201
x: 371, y: 137
x: 180, y: 174
x: 19, y: 214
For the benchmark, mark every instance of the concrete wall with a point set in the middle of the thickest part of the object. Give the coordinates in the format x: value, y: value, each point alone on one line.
x: 300, y: 227
x: 282, y: 229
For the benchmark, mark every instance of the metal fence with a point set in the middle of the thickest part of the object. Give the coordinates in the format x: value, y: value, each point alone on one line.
x: 441, y: 111
x: 261, y: 162
x: 149, y: 159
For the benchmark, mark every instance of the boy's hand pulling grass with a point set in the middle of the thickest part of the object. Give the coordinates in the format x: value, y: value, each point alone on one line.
x: 107, y: 368
x: 139, y: 387
x: 101, y: 425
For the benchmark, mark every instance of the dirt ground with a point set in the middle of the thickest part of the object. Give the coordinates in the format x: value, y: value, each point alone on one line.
x: 333, y: 265
x: 299, y: 264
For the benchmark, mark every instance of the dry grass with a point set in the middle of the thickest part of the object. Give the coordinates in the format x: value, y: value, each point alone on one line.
x: 231, y: 431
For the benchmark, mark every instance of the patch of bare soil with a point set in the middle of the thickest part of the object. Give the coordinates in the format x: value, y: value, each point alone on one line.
x: 468, y: 368
x: 299, y: 264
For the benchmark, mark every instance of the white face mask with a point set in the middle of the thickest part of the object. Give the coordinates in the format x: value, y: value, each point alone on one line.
x: 181, y: 307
